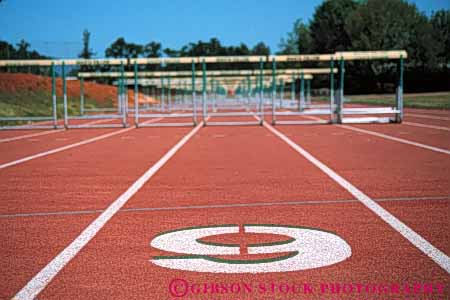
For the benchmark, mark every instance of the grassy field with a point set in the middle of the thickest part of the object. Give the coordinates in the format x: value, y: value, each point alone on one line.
x: 36, y: 103
x: 426, y: 100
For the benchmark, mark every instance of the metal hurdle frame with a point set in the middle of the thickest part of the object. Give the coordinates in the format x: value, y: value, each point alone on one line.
x: 259, y: 113
x: 304, y: 102
x: 192, y: 115
x: 121, y: 110
x: 165, y: 76
x: 337, y: 111
x: 84, y: 110
x: 40, y: 119
x: 397, y: 111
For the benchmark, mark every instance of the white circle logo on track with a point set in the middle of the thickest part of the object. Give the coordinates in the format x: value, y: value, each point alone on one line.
x: 307, y: 248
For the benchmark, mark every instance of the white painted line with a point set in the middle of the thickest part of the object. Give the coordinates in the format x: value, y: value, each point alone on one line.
x: 389, y: 137
x: 392, y: 138
x: 418, y: 241
x: 21, y: 137
x: 426, y: 126
x: 43, y: 278
x: 67, y: 147
x: 427, y: 117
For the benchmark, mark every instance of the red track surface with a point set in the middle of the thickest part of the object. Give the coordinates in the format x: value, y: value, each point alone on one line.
x: 121, y: 253
x: 428, y: 136
x: 246, y: 166
x: 17, y: 149
x: 379, y: 167
x: 443, y: 123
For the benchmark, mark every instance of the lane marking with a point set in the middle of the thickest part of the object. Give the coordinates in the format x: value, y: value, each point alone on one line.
x: 388, y: 137
x: 426, y: 126
x: 396, y: 139
x: 46, y: 275
x: 414, y: 238
x: 427, y: 117
x: 21, y: 137
x: 67, y: 147
x: 233, y: 205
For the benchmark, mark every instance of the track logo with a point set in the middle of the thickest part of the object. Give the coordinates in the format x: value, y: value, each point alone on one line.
x: 300, y: 248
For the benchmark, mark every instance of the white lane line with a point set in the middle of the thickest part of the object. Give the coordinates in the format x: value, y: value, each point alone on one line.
x: 67, y: 147
x: 392, y: 138
x: 414, y: 238
x: 389, y: 137
x: 210, y: 206
x: 43, y: 278
x: 426, y: 126
x: 427, y: 117
x: 21, y: 137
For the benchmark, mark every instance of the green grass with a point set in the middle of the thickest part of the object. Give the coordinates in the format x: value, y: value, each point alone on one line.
x: 34, y: 104
x: 427, y: 101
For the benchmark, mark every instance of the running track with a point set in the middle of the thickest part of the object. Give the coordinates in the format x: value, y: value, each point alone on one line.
x: 220, y: 175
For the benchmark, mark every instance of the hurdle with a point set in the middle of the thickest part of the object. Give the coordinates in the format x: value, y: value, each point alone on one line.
x: 303, y: 107
x: 166, y: 109
x: 397, y: 110
x: 42, y: 122
x: 107, y: 114
x: 247, y: 94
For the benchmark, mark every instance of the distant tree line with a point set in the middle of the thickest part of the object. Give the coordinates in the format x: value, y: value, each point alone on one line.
x: 213, y: 47
x: 336, y: 25
x: 20, y: 51
x: 346, y: 25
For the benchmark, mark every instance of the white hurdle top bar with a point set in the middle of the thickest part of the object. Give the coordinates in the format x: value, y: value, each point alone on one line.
x: 252, y: 73
x: 352, y: 55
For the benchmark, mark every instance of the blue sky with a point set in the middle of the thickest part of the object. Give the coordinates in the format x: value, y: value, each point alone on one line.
x: 54, y: 27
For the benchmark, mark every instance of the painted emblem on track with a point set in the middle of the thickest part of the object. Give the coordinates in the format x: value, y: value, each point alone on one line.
x: 305, y: 248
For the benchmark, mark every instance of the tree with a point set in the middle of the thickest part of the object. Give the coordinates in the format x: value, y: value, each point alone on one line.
x: 117, y: 49
x: 121, y: 49
x: 211, y: 48
x: 22, y: 49
x: 87, y: 52
x: 298, y: 41
x: 7, y: 50
x: 171, y: 52
x: 440, y: 22
x: 242, y: 49
x: 152, y: 49
x: 392, y: 24
x: 215, y: 47
x: 261, y: 49
x: 328, y: 26
x: 134, y: 50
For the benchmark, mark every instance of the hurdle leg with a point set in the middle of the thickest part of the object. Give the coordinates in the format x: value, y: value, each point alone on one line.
x: 274, y: 90
x: 399, y: 95
x: 136, y: 96
x: 261, y: 91
x: 194, y: 100
x: 308, y: 92
x: 55, y: 114
x: 332, y: 100
x: 204, y: 91
x: 66, y: 116
x: 340, y: 102
x: 123, y: 98
x: 169, y: 95
x: 302, y: 92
